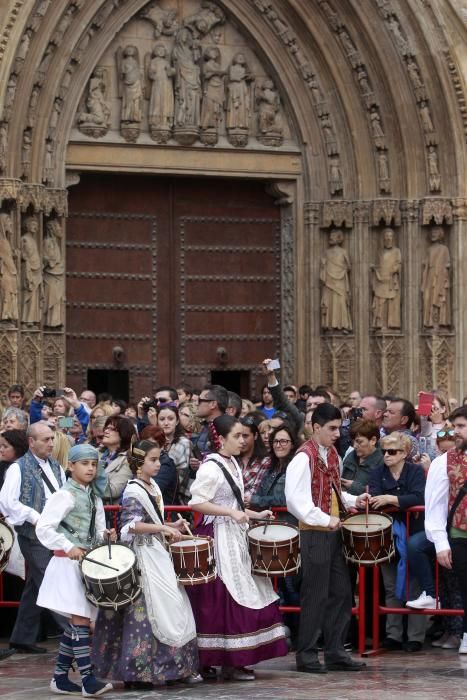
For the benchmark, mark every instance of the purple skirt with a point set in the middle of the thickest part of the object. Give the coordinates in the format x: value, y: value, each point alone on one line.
x: 230, y: 634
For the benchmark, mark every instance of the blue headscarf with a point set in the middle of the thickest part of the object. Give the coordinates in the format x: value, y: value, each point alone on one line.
x: 84, y: 451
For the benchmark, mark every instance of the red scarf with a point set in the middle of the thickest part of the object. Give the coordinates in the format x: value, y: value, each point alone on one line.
x: 457, y: 474
x: 322, y: 475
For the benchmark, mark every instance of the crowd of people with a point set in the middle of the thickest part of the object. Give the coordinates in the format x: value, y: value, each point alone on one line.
x: 231, y: 460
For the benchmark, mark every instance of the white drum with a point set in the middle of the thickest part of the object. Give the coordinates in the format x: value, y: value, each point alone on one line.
x: 7, y: 537
x: 274, y: 549
x: 111, y: 582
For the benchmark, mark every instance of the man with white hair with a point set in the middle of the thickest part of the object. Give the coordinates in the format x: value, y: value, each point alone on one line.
x: 29, y: 482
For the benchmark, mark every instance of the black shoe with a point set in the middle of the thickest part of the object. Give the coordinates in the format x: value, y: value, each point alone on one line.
x: 138, y: 685
x: 413, y: 646
x: 345, y: 665
x: 5, y: 653
x: 27, y: 648
x: 209, y: 673
x: 391, y: 644
x: 315, y: 667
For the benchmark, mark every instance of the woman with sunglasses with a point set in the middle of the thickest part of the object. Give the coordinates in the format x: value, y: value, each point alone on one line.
x: 400, y: 484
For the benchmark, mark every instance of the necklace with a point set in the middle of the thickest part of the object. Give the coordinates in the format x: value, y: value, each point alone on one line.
x: 148, y: 483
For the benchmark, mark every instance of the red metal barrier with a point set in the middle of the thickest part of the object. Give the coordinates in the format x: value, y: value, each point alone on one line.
x: 379, y: 609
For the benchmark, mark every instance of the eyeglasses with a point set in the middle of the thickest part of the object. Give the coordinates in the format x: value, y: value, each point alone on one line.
x: 445, y: 433
x: 200, y: 400
x: 390, y: 451
x: 163, y: 400
x: 111, y: 427
x: 281, y: 443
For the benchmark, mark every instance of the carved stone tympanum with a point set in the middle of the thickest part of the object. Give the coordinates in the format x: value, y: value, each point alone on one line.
x: 213, y: 96
x: 270, y: 124
x: 31, y: 282
x: 436, y: 282
x: 335, y: 278
x: 386, y: 307
x: 185, y: 55
x: 8, y: 272
x: 54, y: 275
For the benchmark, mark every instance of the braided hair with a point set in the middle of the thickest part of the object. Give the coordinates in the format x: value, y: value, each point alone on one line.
x: 137, y: 453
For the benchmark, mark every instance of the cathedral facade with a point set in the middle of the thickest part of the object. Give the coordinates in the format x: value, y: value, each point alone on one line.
x: 189, y: 186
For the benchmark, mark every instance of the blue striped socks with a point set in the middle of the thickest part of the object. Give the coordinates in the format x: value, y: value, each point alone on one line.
x: 65, y: 653
x: 81, y: 649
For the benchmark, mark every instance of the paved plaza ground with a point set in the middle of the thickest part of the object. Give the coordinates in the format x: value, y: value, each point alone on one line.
x: 429, y: 675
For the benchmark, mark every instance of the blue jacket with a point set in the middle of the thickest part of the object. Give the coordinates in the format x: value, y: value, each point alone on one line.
x: 409, y: 489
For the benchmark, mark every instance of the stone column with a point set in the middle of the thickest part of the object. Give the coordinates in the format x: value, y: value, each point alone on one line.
x: 360, y: 255
x: 459, y: 298
x: 410, y: 294
x: 310, y: 307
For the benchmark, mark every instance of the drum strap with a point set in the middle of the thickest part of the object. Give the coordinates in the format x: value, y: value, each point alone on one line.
x: 342, y: 509
x: 458, y: 499
x: 152, y: 499
x: 52, y: 489
x: 231, y: 482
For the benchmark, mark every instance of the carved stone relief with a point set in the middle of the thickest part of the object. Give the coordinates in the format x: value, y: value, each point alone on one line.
x: 9, y: 257
x: 194, y: 85
x: 335, y: 279
x: 8, y: 360
x: 387, y: 360
x: 53, y: 274
x: 31, y: 278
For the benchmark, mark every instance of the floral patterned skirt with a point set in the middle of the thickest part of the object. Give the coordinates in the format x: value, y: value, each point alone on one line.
x: 125, y: 649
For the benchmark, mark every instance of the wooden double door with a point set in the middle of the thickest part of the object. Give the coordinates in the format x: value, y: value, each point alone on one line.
x: 170, y: 279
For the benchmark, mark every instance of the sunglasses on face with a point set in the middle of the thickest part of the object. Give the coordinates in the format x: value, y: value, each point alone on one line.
x: 281, y: 443
x: 200, y: 400
x: 390, y: 451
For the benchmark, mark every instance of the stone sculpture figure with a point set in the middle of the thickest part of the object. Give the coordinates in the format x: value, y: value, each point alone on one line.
x: 203, y: 21
x: 212, y: 108
x: 31, y: 283
x: 270, y: 125
x: 131, y: 92
x: 239, y: 105
x: 164, y: 21
x: 433, y: 168
x: 376, y: 128
x: 335, y: 278
x: 386, y: 307
x: 436, y: 282
x: 26, y: 153
x: 54, y: 275
x: 95, y: 120
x: 383, y: 172
x: 185, y: 55
x: 8, y: 272
x: 9, y: 97
x: 3, y: 145
x: 159, y: 74
x: 335, y: 176
x: 425, y: 116
x: 414, y: 74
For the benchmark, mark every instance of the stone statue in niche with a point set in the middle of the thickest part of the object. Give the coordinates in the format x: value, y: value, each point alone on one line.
x: 130, y: 92
x: 164, y: 21
x: 383, y: 172
x: 335, y: 177
x: 329, y: 135
x: 270, y: 124
x: 335, y: 279
x: 3, y: 145
x: 26, y: 153
x: 433, y: 169
x: 414, y: 74
x: 185, y: 55
x: 212, y: 108
x: 54, y: 117
x: 280, y: 27
x: 32, y: 108
x: 376, y: 128
x: 54, y: 275
x: 386, y: 307
x: 45, y: 63
x: 203, y: 21
x: 239, y: 101
x: 400, y: 40
x: 159, y: 75
x: 95, y: 119
x: 316, y: 93
x: 347, y: 42
x: 49, y: 171
x: 23, y: 49
x: 363, y: 81
x: 9, y: 97
x: 427, y: 123
x: 31, y: 282
x: 8, y: 272
x: 436, y: 282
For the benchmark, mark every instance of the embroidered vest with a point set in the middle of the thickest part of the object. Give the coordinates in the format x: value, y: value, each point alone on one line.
x: 457, y: 474
x: 32, y: 492
x: 79, y: 519
x: 322, y: 475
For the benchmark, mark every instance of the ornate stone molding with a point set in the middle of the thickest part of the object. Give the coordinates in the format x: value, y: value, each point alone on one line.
x: 10, y: 189
x: 459, y: 209
x: 337, y: 214
x: 386, y: 211
x: 31, y: 195
x: 55, y: 200
x: 436, y: 209
x: 9, y: 25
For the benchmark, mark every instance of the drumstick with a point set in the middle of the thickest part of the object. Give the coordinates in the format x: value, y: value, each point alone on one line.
x: 109, y: 546
x: 265, y: 527
x: 100, y: 563
x: 367, y: 505
x: 186, y: 526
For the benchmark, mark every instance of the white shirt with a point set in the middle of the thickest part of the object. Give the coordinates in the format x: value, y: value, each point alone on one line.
x: 436, y: 503
x: 11, y: 506
x: 56, y: 509
x: 298, y: 491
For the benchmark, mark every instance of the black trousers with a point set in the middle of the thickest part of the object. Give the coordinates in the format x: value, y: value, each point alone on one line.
x: 459, y: 563
x: 26, y: 629
x: 325, y: 597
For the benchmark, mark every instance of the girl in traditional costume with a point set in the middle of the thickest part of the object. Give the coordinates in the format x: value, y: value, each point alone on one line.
x: 236, y: 615
x: 72, y: 521
x: 153, y: 640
